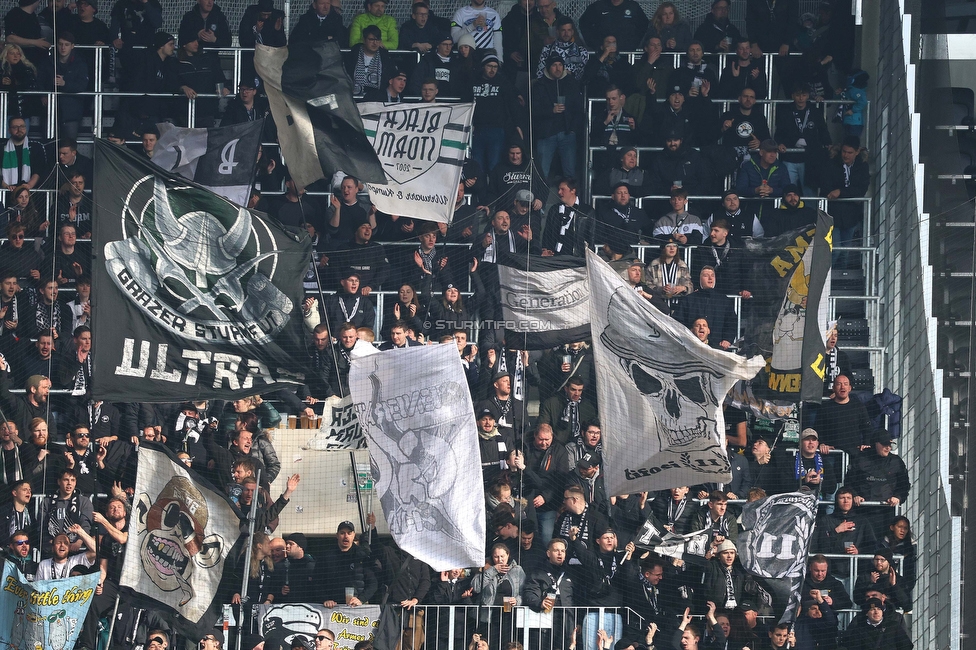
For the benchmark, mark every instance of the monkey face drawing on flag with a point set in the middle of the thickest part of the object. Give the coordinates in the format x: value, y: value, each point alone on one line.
x: 171, y: 536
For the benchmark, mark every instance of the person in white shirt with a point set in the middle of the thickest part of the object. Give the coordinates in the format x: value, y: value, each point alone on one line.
x: 60, y: 566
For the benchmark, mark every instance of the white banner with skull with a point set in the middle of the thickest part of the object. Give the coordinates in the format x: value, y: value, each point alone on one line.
x: 421, y: 148
x: 660, y: 391
x: 181, y: 532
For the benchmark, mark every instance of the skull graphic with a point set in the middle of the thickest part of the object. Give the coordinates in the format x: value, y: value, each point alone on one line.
x: 679, y: 391
x: 172, y: 537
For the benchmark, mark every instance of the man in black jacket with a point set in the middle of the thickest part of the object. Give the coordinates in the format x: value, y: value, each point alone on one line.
x: 558, y: 106
x: 846, y: 177
x: 209, y: 23
x: 553, y: 587
x: 818, y: 577
x: 299, y: 571
x: 321, y: 23
x: 717, y: 308
x: 545, y: 471
x: 570, y: 223
x: 342, y: 568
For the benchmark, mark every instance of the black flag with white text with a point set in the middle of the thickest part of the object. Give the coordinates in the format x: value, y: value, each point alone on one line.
x: 199, y: 298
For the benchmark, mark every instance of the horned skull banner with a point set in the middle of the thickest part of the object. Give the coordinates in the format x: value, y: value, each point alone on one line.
x: 660, y: 391
x: 183, y: 534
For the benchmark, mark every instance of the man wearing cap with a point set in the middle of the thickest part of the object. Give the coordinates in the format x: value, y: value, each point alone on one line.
x: 297, y: 571
x: 574, y: 55
x: 497, y: 448
x: 509, y: 409
x: 481, y: 22
x: 811, y: 470
x: 344, y: 567
x: 321, y: 22
x: 875, y: 630
x: 608, y: 574
x: 365, y: 257
x: 762, y: 174
x: 558, y: 106
x: 695, y: 121
x: 246, y: 106
x: 626, y: 171
x: 349, y: 305
x: 743, y: 222
x: 717, y: 308
x: 369, y: 61
x: 793, y: 213
x: 578, y: 521
x: 878, y: 475
x: 496, y: 112
x: 743, y: 126
x: 396, y: 83
x: 588, y: 477
x: 523, y: 212
x: 677, y: 167
x: 724, y: 577
x: 891, y: 614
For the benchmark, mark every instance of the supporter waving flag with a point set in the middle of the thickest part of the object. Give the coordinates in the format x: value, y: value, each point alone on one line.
x: 319, y: 126
x: 660, y: 391
x: 202, y: 297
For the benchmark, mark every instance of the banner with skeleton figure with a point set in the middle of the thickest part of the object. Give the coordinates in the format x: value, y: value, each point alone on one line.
x: 45, y: 613
x: 181, y: 532
x: 660, y: 391
x: 202, y: 297
x: 774, y: 544
x: 421, y: 148
x: 415, y: 409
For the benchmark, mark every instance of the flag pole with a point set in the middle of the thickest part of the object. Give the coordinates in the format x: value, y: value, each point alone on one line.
x: 111, y: 624
x: 252, y: 515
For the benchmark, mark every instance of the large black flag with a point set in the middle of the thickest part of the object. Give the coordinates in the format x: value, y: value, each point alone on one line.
x: 196, y: 296
x: 319, y: 126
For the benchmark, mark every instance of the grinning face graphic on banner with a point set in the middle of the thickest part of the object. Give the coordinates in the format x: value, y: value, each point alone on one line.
x: 171, y: 536
x: 679, y: 393
x: 197, y: 265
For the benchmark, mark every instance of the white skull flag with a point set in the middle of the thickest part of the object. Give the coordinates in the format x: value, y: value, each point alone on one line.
x: 415, y: 409
x: 203, y: 297
x: 181, y: 532
x: 660, y: 391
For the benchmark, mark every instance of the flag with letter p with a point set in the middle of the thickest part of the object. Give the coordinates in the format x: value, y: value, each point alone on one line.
x: 319, y: 127
x: 421, y: 148
x: 222, y: 159
x: 660, y: 391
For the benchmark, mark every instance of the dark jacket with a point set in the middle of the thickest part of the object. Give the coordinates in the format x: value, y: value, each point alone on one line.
x: 136, y: 22
x: 545, y: 475
x: 752, y: 174
x: 215, y: 21
x: 711, y: 33
x: 888, y: 635
x: 75, y: 74
x: 450, y: 80
x: 351, y: 58
x: 550, y: 579
x: 715, y: 307
x: 579, y: 224
x: 626, y: 21
x: 247, y: 33
x: 310, y: 28
x: 335, y: 570
x: 878, y: 478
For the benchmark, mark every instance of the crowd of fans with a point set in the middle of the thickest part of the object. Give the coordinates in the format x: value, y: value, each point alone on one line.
x: 557, y: 541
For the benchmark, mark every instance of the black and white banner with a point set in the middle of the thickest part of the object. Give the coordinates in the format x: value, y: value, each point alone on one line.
x: 415, y: 409
x: 203, y: 297
x: 660, y: 391
x: 775, y: 542
x: 181, y: 533
x: 421, y: 148
x: 668, y: 544
x: 340, y: 429
x: 222, y: 159
x: 319, y: 127
x: 544, y: 300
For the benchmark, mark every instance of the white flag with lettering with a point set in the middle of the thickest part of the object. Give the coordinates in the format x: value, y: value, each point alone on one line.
x: 421, y: 148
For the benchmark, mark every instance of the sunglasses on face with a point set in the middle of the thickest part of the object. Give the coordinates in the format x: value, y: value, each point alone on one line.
x: 20, y: 542
x: 157, y: 639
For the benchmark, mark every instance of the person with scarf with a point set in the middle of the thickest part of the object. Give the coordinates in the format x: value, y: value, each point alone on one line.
x: 715, y: 517
x: 668, y: 275
x: 724, y: 254
x: 425, y: 267
x: 348, y: 305
x: 607, y: 70
x: 578, y: 522
x: 12, y: 304
x: 514, y: 363
x: 12, y: 467
x: 620, y: 224
x: 567, y: 411
x: 337, y: 370
x: 742, y: 223
x: 679, y: 224
x: 48, y: 314
x: 590, y: 441
x: 673, y: 510
x: 544, y: 477
x: 558, y: 365
x: 550, y: 589
x: 64, y: 509
x: 588, y: 475
x: 24, y: 162
x: 611, y: 573
x: 810, y: 469
x: 570, y: 223
x: 508, y: 407
x: 497, y: 448
x: 368, y: 62
x: 725, y: 579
